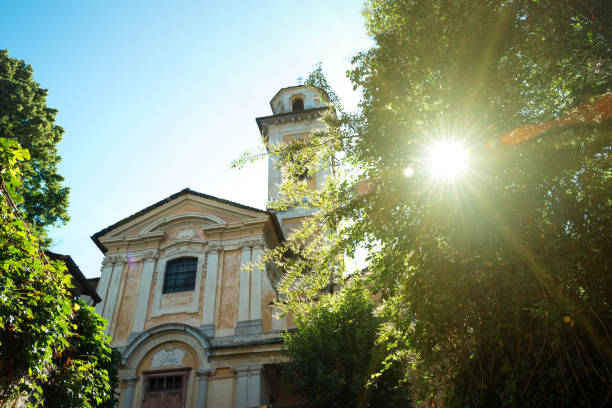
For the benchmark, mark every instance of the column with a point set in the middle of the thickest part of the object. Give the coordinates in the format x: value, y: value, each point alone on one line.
x: 202, y: 387
x: 256, y: 282
x: 254, y: 386
x: 243, y: 295
x: 113, y: 290
x: 129, y: 391
x: 241, y: 386
x: 102, y: 289
x: 210, y: 288
x: 146, y: 281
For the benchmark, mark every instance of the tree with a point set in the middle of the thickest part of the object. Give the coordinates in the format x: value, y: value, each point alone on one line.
x: 34, y: 301
x: 495, y: 280
x: 84, y: 374
x: 334, y: 354
x: 25, y: 118
x: 53, y: 350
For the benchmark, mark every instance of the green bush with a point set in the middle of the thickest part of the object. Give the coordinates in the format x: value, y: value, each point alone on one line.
x: 334, y: 358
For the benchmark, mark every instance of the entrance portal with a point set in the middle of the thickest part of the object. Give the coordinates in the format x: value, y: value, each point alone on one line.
x: 165, y: 389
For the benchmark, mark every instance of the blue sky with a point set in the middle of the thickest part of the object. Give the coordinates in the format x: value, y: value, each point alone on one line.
x: 156, y: 96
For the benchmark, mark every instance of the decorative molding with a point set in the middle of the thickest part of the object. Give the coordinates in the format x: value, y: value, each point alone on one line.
x: 113, y: 259
x: 206, y: 373
x: 130, y: 381
x: 186, y: 233
x: 256, y: 243
x: 193, y: 251
x: 169, y: 356
x: 176, y: 247
x: 256, y: 369
x: 241, y: 371
x: 150, y: 255
x: 158, y: 330
x: 213, y: 247
x: 191, y: 215
x: 119, y: 240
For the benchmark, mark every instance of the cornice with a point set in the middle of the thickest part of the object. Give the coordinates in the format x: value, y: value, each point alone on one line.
x: 288, y: 117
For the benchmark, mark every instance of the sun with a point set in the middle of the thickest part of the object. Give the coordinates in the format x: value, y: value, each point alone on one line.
x: 447, y: 160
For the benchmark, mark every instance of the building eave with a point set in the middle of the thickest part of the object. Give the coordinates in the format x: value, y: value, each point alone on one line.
x: 76, y: 273
x: 96, y: 237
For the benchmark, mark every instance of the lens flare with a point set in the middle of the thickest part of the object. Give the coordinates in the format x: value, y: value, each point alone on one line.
x: 448, y: 160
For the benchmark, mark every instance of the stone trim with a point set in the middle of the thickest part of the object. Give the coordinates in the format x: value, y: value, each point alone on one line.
x: 142, y: 337
x: 146, y: 282
x: 159, y: 284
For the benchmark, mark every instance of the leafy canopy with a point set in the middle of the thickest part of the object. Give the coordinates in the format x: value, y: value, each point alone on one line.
x: 26, y: 119
x: 495, y: 283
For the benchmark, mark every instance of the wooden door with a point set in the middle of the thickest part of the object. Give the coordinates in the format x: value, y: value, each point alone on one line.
x: 165, y: 389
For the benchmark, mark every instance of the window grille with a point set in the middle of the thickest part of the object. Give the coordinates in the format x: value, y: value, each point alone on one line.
x: 180, y: 275
x: 173, y: 382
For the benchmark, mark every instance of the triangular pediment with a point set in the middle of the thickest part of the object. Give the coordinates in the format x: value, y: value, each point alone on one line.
x: 183, y: 216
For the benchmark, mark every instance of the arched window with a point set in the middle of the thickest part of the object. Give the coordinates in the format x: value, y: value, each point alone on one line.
x: 180, y: 275
x: 297, y: 104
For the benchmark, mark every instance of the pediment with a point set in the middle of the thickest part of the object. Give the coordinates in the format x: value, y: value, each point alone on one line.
x: 182, y: 217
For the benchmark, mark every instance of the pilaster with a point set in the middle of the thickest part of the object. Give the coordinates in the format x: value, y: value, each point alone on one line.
x: 243, y: 294
x: 128, y: 399
x: 241, y: 386
x: 203, y: 376
x: 254, y: 382
x: 145, y: 291
x: 113, y: 290
x: 105, y: 276
x: 256, y: 282
x: 210, y: 287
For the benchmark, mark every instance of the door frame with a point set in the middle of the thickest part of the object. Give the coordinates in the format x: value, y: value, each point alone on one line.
x: 184, y: 372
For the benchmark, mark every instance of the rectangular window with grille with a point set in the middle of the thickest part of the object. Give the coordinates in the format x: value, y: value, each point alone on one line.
x: 180, y: 275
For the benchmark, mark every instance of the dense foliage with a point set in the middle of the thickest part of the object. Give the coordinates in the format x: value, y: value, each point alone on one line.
x: 334, y: 354
x: 52, y: 351
x: 496, y: 281
x: 35, y: 305
x: 25, y: 118
x: 84, y: 374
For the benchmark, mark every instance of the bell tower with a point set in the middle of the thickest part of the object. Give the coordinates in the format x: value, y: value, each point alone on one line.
x: 297, y: 113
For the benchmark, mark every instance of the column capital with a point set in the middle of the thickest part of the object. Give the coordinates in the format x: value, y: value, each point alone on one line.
x: 255, y: 369
x: 205, y: 373
x: 130, y: 380
x: 256, y: 243
x: 116, y: 258
x: 151, y: 255
x: 213, y: 248
x: 242, y: 371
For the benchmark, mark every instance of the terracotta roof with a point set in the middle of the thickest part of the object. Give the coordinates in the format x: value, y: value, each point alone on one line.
x: 95, y: 237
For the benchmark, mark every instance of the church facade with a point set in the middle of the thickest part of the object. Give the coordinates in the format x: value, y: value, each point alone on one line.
x: 187, y: 303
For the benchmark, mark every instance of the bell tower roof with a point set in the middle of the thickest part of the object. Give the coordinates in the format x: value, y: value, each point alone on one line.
x: 298, y: 98
x: 292, y: 104
x: 291, y: 91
